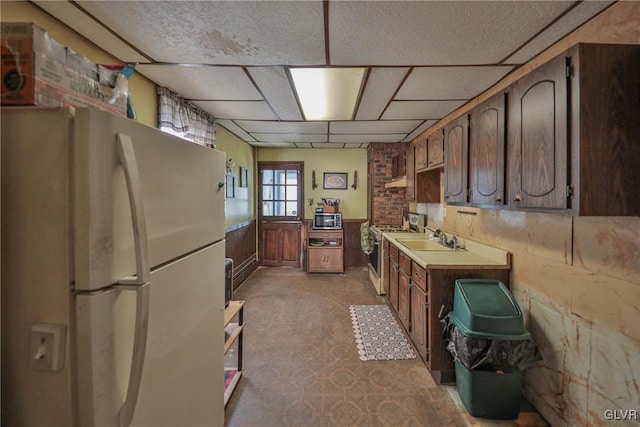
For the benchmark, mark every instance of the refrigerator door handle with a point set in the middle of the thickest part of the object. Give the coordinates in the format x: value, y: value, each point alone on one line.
x: 128, y: 159
x: 125, y: 415
x: 139, y: 283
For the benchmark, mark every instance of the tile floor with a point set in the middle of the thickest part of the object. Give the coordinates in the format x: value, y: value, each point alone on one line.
x: 301, y: 366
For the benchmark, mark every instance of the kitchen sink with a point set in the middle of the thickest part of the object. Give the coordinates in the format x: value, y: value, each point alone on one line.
x: 425, y: 245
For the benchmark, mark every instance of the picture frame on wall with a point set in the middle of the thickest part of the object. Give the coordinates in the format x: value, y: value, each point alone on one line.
x: 244, y: 177
x: 229, y: 185
x: 334, y: 181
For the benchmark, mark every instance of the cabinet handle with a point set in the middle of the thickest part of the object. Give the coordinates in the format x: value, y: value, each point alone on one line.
x: 446, y: 196
x: 517, y: 199
x: 498, y: 199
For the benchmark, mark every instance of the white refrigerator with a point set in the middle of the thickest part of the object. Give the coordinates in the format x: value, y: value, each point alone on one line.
x: 112, y: 273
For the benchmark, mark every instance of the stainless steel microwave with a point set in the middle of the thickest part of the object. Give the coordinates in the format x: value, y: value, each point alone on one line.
x: 327, y: 221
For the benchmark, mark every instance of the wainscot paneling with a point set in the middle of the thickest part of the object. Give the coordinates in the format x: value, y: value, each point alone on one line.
x: 353, y: 255
x: 241, y: 248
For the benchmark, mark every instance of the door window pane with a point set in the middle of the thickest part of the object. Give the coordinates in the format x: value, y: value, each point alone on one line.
x: 267, y: 176
x: 280, y: 189
x: 267, y: 209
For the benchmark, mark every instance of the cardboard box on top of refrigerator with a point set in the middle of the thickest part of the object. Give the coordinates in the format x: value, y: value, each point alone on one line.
x: 38, y: 71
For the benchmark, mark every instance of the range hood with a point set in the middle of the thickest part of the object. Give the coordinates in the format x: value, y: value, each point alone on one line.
x: 399, y: 182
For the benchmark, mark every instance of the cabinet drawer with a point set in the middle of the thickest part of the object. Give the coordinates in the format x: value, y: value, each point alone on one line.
x: 419, y: 276
x: 405, y: 263
x: 393, y: 252
x: 325, y: 234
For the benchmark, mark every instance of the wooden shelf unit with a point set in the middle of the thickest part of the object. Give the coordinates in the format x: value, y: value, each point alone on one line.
x: 325, y: 251
x: 233, y: 329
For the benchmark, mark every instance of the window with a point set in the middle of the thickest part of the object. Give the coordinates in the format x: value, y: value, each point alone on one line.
x: 280, y: 191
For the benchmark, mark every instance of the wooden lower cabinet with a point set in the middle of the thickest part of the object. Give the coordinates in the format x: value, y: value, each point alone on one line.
x: 325, y: 251
x: 394, y: 272
x: 418, y: 332
x: 386, y: 257
x: 404, y: 298
x: 422, y: 297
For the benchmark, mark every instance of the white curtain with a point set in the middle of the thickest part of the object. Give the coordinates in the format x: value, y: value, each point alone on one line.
x: 180, y: 117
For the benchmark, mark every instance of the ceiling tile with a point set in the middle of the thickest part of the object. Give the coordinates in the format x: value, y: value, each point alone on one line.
x: 246, y: 110
x: 420, y: 109
x: 440, y: 83
x: 219, y: 32
x: 380, y: 87
x: 273, y: 144
x: 394, y: 137
x: 290, y: 137
x: 355, y: 145
x: 328, y: 145
x: 275, y: 87
x: 86, y: 26
x: 237, y: 130
x: 203, y: 82
x: 572, y: 20
x: 426, y: 125
x: 434, y: 32
x: 373, y: 126
x: 283, y: 127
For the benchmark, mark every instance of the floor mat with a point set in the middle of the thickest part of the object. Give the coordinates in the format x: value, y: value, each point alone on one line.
x: 378, y: 335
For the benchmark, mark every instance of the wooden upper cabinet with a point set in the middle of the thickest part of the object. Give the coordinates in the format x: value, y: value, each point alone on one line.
x: 435, y: 149
x: 487, y: 153
x: 411, y: 175
x: 456, y: 141
x: 421, y: 155
x: 538, y: 138
x: 573, y: 133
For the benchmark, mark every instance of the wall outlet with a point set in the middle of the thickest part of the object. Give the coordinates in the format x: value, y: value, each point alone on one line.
x: 48, y: 342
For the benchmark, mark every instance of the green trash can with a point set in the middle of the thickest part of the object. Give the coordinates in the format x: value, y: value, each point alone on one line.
x: 484, y: 312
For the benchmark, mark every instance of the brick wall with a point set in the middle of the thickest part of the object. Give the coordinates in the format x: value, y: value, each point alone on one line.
x: 386, y: 204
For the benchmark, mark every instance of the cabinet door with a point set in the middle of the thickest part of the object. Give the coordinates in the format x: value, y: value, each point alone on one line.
x: 386, y: 269
x: 435, y: 149
x: 421, y: 155
x: 419, y: 319
x: 325, y: 259
x: 404, y: 298
x: 487, y: 152
x: 393, y: 284
x: 411, y: 174
x: 538, y: 138
x: 456, y: 136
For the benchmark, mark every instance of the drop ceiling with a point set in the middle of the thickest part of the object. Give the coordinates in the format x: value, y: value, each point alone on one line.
x: 423, y: 59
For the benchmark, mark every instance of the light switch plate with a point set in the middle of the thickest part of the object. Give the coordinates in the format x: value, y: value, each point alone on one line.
x: 48, y: 342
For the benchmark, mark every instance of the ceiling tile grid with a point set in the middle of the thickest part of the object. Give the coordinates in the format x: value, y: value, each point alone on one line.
x: 423, y: 59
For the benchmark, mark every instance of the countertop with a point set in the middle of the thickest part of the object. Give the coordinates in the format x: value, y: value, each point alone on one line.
x: 476, y: 256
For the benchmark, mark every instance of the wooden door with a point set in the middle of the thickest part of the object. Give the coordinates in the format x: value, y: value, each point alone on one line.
x: 538, y: 138
x: 457, y: 151
x: 280, y: 208
x: 487, y: 153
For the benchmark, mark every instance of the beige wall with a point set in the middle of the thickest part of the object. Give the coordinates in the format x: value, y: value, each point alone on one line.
x: 141, y: 89
x: 353, y: 203
x: 577, y: 279
x: 240, y: 208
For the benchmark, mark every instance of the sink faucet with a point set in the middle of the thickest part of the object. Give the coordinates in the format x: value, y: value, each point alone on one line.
x: 443, y: 239
x: 453, y: 243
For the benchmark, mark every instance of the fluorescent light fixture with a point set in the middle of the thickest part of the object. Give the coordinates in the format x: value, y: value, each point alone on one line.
x: 327, y: 93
